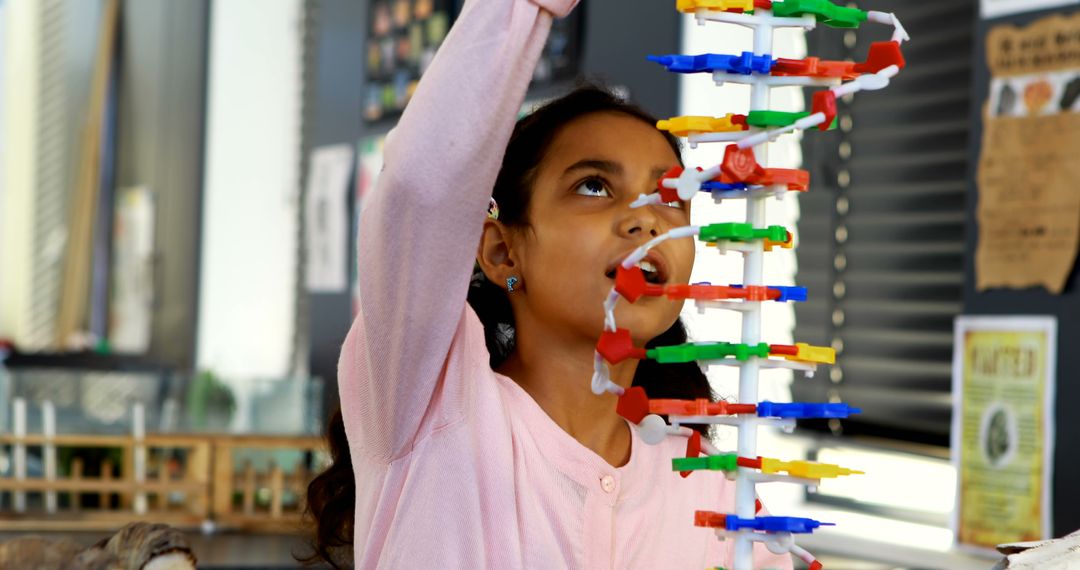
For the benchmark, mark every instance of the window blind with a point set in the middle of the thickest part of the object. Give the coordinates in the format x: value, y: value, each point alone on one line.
x: 882, y: 228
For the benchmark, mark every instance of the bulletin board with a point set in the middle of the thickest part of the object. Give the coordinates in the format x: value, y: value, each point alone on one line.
x: 1029, y: 94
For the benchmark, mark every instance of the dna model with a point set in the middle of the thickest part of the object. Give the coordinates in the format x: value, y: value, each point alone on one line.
x: 743, y: 175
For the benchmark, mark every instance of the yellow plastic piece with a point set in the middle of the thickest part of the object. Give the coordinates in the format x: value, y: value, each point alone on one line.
x: 691, y: 6
x: 683, y: 126
x: 805, y: 469
x: 770, y: 244
x: 815, y: 354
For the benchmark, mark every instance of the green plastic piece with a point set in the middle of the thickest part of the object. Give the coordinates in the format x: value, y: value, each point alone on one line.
x: 766, y: 119
x: 691, y: 352
x: 732, y: 231
x: 722, y: 462
x: 824, y: 11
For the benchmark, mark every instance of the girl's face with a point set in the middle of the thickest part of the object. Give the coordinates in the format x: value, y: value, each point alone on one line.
x: 581, y: 227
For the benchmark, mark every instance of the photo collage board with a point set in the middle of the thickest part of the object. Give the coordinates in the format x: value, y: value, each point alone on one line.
x: 403, y: 36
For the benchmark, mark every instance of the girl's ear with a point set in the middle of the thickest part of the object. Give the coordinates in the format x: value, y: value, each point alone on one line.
x: 495, y: 254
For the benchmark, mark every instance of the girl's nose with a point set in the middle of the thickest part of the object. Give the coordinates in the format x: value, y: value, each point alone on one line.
x: 640, y: 221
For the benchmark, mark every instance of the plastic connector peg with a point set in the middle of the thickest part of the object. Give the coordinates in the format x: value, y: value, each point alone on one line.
x: 690, y: 352
x: 737, y: 231
x: 805, y: 410
x: 805, y: 469
x: 766, y: 119
x: 691, y: 6
x: 824, y: 11
x: 684, y: 126
x: 744, y: 64
x: 798, y: 525
x: 815, y: 354
x: 710, y: 519
x: 721, y: 462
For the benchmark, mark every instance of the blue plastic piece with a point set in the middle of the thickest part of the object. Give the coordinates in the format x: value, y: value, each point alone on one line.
x: 795, y: 294
x: 744, y: 64
x: 801, y: 410
x: 713, y: 185
x: 773, y: 524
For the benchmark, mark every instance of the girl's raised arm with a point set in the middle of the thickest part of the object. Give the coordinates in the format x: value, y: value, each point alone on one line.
x: 420, y: 228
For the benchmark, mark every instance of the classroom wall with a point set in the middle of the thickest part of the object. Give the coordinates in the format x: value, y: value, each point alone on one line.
x: 1033, y: 301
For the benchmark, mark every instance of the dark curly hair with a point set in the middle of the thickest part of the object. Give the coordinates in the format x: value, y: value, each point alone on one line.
x: 331, y: 496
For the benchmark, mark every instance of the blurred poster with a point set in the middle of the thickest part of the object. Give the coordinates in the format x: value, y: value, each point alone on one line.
x: 132, y: 293
x: 1003, y: 428
x: 995, y: 8
x: 1028, y: 210
x: 327, y: 218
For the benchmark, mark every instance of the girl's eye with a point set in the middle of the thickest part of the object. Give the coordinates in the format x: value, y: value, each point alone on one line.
x: 593, y: 187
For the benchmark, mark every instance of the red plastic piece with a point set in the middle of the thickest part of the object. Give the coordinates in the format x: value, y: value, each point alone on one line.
x: 617, y: 346
x: 787, y: 66
x: 815, y: 67
x: 633, y: 404
x: 825, y: 102
x: 843, y: 69
x: 741, y: 119
x: 786, y: 349
x: 797, y: 180
x: 669, y: 194
x: 631, y: 284
x: 740, y: 165
x: 710, y: 519
x: 882, y: 55
x: 763, y: 4
x: 747, y: 462
x: 757, y: 506
x: 816, y: 566
x: 693, y: 449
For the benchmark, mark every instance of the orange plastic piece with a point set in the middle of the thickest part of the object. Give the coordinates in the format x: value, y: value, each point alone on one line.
x: 797, y: 180
x: 786, y: 244
x: 710, y: 519
x: 698, y: 407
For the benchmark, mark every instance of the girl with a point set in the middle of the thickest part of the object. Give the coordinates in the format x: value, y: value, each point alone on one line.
x: 474, y: 440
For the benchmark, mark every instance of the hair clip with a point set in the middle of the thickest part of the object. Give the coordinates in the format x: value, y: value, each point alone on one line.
x: 493, y: 209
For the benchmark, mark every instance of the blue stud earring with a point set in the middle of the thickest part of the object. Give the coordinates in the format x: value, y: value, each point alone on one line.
x: 510, y: 282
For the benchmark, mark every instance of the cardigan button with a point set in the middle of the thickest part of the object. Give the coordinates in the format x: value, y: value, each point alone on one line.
x: 607, y: 483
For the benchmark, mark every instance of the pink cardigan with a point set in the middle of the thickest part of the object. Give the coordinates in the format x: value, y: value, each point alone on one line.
x: 456, y: 466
